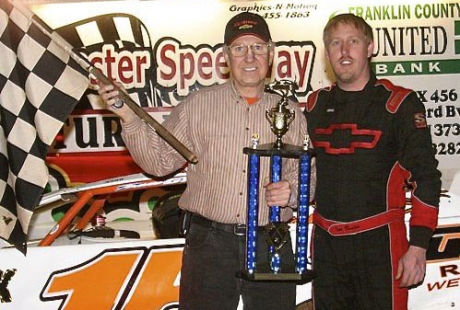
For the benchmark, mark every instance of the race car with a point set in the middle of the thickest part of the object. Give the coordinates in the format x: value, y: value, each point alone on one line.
x: 117, y: 244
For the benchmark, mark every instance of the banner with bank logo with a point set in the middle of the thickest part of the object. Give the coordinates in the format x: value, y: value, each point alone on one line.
x: 164, y: 50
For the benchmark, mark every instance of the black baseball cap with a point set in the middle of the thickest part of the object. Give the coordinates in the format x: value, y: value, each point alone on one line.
x: 246, y: 23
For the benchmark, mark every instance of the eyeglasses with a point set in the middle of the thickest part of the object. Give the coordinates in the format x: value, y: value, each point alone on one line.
x: 256, y: 48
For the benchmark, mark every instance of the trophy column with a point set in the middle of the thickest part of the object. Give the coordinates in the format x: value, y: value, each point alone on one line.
x: 274, y: 217
x: 252, y: 213
x: 303, y: 213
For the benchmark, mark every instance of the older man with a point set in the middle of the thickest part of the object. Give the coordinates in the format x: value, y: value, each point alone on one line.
x: 216, y: 123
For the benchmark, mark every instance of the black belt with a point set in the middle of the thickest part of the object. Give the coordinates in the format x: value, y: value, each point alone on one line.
x: 236, y: 229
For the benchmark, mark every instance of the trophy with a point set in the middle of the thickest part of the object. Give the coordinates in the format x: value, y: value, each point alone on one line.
x: 279, y: 117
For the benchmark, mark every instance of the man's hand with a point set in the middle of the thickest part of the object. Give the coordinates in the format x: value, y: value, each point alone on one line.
x: 278, y: 193
x: 412, y: 267
x: 109, y: 96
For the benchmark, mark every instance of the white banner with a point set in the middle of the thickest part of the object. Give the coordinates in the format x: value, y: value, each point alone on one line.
x: 163, y: 50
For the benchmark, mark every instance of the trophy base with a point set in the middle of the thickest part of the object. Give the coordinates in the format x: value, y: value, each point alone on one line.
x: 263, y: 273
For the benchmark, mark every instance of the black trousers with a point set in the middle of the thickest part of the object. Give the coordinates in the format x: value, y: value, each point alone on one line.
x: 211, y: 259
x: 356, y: 272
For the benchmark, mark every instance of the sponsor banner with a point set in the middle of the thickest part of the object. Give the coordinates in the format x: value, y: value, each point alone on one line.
x: 164, y: 50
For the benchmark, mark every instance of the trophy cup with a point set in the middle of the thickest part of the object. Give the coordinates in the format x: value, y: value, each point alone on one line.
x: 280, y: 117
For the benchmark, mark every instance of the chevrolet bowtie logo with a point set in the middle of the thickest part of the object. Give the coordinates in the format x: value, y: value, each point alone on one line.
x: 360, y: 138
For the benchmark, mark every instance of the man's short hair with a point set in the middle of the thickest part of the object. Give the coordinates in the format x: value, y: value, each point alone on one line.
x: 348, y: 19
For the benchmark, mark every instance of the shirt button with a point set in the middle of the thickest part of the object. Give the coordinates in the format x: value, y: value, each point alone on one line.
x: 241, y: 194
x: 247, y: 128
x: 244, y: 170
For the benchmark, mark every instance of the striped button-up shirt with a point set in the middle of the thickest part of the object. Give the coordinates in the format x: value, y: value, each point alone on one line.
x: 215, y: 123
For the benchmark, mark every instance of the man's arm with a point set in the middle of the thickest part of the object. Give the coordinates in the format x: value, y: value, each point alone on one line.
x: 418, y: 157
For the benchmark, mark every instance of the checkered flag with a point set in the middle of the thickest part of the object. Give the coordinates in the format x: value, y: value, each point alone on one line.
x: 39, y: 86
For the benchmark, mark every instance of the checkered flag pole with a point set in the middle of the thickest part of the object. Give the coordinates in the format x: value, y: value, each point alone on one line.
x: 161, y: 131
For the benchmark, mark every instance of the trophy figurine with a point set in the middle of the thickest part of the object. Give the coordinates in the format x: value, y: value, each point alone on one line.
x: 279, y: 117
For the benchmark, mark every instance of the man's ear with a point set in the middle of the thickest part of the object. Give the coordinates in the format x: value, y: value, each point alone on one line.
x: 271, y: 56
x: 226, y: 57
x: 370, y: 49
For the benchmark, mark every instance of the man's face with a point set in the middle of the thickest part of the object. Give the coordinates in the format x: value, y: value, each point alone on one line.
x: 249, y: 71
x: 349, y: 53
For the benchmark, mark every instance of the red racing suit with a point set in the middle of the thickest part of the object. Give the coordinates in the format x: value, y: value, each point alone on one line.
x: 372, y: 146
